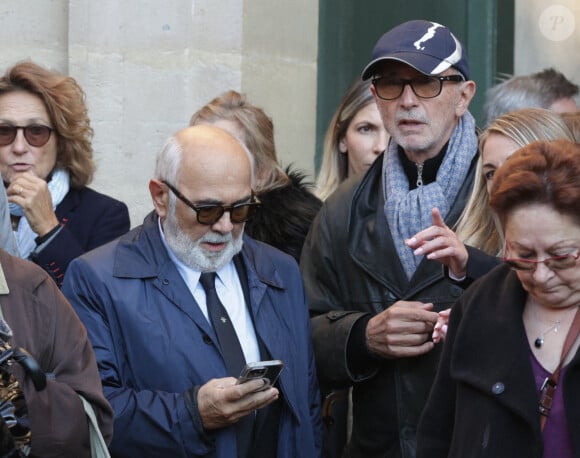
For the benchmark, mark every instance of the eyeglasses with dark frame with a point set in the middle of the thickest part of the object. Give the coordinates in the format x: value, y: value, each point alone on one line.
x: 211, y: 214
x: 35, y: 134
x: 561, y: 262
x: 425, y: 87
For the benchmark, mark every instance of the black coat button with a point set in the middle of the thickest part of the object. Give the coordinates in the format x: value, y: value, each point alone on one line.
x: 207, y: 339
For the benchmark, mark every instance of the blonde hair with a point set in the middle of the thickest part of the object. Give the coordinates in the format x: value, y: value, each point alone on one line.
x: 572, y: 120
x: 65, y: 103
x: 477, y: 226
x: 334, y: 167
x: 258, y: 131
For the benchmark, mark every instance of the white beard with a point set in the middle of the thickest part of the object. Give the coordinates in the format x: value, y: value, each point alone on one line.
x: 192, y: 254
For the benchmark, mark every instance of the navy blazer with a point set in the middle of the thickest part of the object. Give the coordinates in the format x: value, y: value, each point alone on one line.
x: 89, y: 219
x: 153, y: 345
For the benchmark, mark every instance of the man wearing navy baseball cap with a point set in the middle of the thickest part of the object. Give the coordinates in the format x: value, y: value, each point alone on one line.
x: 374, y: 295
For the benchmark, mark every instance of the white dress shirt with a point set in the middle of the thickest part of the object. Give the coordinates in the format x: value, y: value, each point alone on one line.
x: 229, y: 290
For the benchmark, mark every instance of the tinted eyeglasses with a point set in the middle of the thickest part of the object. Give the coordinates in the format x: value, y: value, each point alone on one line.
x: 35, y: 134
x: 211, y: 214
x: 561, y: 262
x: 425, y: 87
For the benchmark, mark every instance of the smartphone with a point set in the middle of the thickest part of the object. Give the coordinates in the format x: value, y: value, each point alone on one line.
x: 266, y: 370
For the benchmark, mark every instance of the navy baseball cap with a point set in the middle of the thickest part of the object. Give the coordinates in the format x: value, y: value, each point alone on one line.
x: 426, y: 46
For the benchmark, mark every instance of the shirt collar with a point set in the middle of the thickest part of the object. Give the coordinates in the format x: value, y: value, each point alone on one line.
x: 226, y: 275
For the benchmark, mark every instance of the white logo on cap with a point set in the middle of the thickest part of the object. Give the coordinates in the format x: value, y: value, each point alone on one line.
x: 449, y: 60
x: 430, y: 34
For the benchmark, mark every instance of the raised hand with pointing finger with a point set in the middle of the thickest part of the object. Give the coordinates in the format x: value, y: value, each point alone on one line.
x: 439, y: 243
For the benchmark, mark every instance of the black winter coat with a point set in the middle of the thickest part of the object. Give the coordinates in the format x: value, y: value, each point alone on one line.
x: 285, y: 215
x: 484, y: 401
x: 351, y: 270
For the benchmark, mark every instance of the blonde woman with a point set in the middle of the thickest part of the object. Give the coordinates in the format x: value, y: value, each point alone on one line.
x: 572, y: 120
x: 354, y: 138
x: 477, y: 228
x: 288, y: 205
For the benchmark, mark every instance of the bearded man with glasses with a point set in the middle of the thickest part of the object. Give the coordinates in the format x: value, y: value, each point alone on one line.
x: 177, y: 307
x: 375, y: 303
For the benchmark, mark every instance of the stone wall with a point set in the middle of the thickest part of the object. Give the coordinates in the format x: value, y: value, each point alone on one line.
x: 147, y: 65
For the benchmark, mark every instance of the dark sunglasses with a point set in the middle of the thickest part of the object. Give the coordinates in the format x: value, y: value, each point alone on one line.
x: 211, y: 214
x: 425, y: 87
x: 35, y: 134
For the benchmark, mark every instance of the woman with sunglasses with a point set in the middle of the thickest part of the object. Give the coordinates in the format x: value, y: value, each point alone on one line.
x: 509, y: 379
x: 46, y: 162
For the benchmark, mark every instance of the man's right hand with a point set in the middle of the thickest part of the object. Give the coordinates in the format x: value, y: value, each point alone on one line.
x: 439, y: 243
x: 402, y: 330
x: 221, y: 402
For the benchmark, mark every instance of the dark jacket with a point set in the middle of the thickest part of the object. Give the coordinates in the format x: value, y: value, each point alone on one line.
x: 478, y: 264
x: 351, y: 271
x: 89, y: 219
x: 154, y: 346
x: 484, y: 401
x: 285, y: 215
x: 45, y: 325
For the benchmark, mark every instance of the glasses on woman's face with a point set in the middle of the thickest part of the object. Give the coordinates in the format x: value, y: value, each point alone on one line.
x: 35, y: 134
x: 211, y: 214
x: 560, y: 262
x: 425, y: 87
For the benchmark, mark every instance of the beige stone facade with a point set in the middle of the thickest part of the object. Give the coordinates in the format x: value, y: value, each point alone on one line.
x: 147, y: 65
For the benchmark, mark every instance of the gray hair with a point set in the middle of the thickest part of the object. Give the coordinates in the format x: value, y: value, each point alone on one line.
x: 168, y: 161
x: 536, y: 90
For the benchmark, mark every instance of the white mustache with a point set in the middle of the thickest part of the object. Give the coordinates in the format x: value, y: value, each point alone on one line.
x: 216, y: 238
x: 410, y: 117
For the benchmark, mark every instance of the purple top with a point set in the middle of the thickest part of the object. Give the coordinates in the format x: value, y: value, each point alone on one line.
x: 557, y: 443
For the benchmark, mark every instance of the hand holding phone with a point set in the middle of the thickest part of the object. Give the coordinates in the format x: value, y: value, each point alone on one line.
x: 269, y: 371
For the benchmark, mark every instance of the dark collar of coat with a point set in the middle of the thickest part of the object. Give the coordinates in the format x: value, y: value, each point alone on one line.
x: 370, y: 242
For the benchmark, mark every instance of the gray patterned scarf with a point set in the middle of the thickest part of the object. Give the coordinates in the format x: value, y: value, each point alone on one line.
x: 409, y: 211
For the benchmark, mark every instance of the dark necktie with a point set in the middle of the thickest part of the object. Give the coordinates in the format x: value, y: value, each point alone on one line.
x: 223, y: 327
x: 231, y: 352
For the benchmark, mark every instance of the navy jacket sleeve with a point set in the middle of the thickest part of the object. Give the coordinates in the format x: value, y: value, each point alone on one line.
x: 88, y: 220
x: 478, y: 264
x: 147, y: 422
